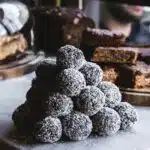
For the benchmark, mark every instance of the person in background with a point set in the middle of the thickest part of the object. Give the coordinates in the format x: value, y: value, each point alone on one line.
x: 125, y: 18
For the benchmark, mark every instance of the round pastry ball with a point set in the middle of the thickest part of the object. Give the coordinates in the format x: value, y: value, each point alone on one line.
x: 90, y: 100
x: 77, y: 126
x: 127, y: 114
x: 22, y: 118
x: 34, y: 99
x: 112, y: 93
x: 58, y: 105
x: 47, y: 69
x: 35, y: 95
x: 106, y: 122
x: 92, y: 72
x: 70, y: 82
x: 48, y: 130
x: 70, y: 57
x: 47, y: 85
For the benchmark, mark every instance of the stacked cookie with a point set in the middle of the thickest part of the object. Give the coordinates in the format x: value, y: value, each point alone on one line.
x: 69, y: 99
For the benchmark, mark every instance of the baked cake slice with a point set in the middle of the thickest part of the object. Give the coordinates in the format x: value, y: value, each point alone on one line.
x: 10, y: 45
x: 115, y: 55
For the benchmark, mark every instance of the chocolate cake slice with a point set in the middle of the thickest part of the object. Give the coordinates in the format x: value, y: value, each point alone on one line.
x: 48, y: 25
x: 134, y: 76
x: 115, y: 55
x: 72, y: 32
x: 102, y: 37
x: 59, y: 26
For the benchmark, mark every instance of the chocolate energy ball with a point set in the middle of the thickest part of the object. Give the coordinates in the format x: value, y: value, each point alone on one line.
x: 106, y: 122
x: 112, y: 93
x: 70, y: 57
x: 46, y: 71
x: 34, y: 99
x: 35, y: 95
x: 48, y: 130
x: 47, y: 85
x: 77, y: 126
x: 70, y: 82
x: 22, y: 119
x: 58, y: 105
x: 90, y: 100
x: 92, y: 72
x: 127, y: 114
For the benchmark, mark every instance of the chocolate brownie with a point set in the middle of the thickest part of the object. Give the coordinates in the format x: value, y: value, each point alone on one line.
x: 102, y: 37
x: 135, y: 76
x: 115, y: 55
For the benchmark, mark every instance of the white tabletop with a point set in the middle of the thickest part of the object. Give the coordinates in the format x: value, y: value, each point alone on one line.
x: 12, y: 94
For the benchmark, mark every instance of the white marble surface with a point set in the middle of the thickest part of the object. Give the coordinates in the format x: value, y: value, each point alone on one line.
x: 12, y: 94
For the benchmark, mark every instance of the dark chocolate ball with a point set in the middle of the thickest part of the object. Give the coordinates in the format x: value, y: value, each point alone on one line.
x: 106, y: 122
x: 44, y: 84
x: 48, y: 130
x: 34, y: 99
x: 90, y: 100
x: 22, y: 119
x: 77, y: 126
x: 70, y: 82
x: 127, y: 114
x: 112, y: 93
x: 70, y: 57
x: 47, y: 70
x: 92, y: 72
x: 58, y: 105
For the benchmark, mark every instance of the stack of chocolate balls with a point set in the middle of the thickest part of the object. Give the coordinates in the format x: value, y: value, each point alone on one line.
x: 69, y: 99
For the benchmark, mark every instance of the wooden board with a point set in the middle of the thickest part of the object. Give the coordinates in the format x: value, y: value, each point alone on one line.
x: 20, y: 67
x: 136, y: 97
x: 143, y: 90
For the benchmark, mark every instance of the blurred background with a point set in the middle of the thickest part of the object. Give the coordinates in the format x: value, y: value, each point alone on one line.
x: 88, y: 6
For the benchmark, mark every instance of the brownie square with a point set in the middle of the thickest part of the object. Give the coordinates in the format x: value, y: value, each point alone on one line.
x: 101, y: 37
x: 134, y: 76
x: 115, y: 55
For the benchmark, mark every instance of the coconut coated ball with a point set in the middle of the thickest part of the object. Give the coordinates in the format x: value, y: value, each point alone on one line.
x: 92, y: 72
x: 58, y: 105
x: 90, y: 100
x: 48, y: 130
x: 70, y: 82
x: 70, y: 57
x: 112, y: 93
x: 127, y: 114
x: 106, y: 122
x: 77, y: 126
